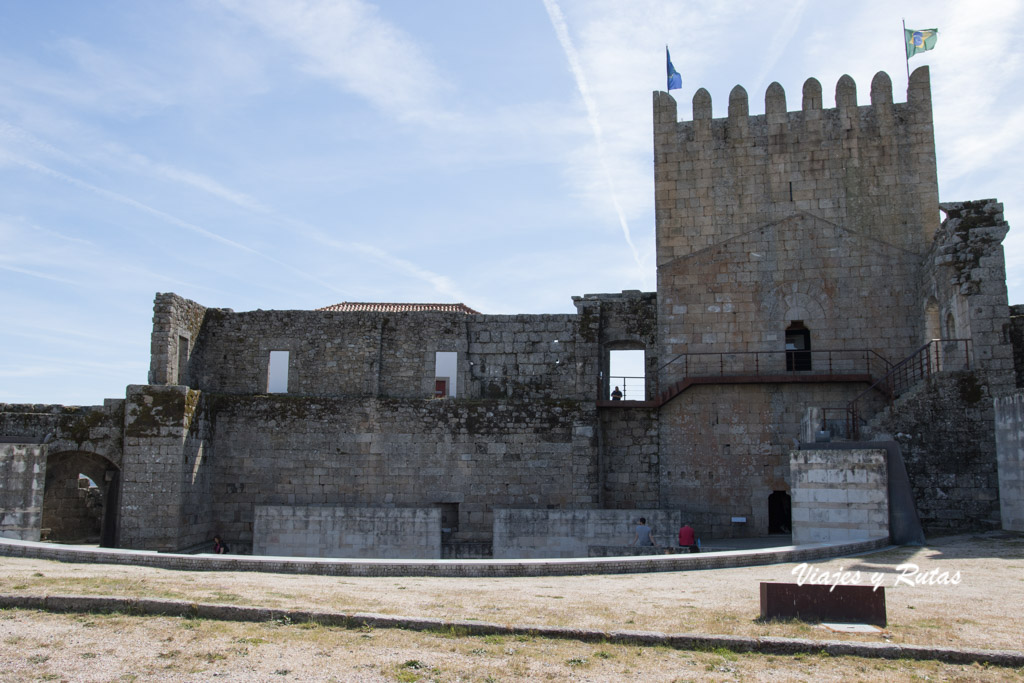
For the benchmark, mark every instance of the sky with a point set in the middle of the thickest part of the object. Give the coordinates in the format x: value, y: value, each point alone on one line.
x: 292, y: 154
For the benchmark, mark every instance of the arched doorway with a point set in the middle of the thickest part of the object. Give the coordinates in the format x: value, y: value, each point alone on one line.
x: 80, y: 499
x: 780, y: 516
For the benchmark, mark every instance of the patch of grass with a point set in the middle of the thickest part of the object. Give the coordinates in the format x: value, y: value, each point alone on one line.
x: 170, y: 654
x: 601, y: 654
x: 212, y: 657
x: 725, y: 653
x: 38, y: 659
x: 249, y: 641
x: 577, y: 661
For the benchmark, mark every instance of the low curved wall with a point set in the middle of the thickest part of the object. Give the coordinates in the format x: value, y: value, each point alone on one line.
x: 453, y: 568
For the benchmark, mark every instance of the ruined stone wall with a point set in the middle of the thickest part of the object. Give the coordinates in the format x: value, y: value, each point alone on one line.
x: 1017, y: 342
x: 725, y: 448
x: 850, y: 291
x: 22, y: 478
x: 367, y: 452
x: 89, y: 429
x: 166, y: 492
x: 612, y: 322
x: 945, y: 428
x: 869, y: 169
x: 375, y: 354
x: 965, y: 288
x: 176, y: 326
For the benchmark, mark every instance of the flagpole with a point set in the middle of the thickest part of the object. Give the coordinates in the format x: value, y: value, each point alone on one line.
x: 905, y: 50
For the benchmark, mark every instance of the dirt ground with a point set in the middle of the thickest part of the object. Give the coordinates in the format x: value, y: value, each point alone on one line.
x: 981, y: 610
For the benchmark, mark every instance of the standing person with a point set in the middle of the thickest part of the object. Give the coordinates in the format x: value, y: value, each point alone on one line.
x: 686, y: 539
x: 643, y: 535
x: 616, y: 394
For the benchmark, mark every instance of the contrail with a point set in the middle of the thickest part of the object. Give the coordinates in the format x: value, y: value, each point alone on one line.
x: 562, y: 31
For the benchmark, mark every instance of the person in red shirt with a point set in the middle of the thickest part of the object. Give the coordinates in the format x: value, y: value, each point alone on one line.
x: 686, y: 539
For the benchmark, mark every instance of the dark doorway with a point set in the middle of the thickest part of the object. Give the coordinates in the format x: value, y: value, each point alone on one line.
x: 798, y: 346
x: 80, y: 499
x: 780, y: 518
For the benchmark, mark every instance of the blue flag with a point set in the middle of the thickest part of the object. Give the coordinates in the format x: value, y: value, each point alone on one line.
x: 675, y: 81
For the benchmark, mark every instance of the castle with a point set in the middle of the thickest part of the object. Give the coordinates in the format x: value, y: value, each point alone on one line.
x: 804, y: 271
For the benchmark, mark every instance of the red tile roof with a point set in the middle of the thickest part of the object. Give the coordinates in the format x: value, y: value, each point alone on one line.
x: 380, y: 307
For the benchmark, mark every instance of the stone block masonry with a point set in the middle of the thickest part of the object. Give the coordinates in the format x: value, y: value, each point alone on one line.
x: 839, y: 496
x: 405, y: 453
x: 533, y: 534
x: 326, y: 531
x: 22, y: 477
x: 1010, y: 455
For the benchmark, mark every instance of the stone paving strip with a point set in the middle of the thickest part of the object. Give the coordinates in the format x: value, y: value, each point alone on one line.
x: 680, y: 641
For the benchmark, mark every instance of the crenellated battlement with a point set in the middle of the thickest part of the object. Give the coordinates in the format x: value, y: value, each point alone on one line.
x: 866, y: 168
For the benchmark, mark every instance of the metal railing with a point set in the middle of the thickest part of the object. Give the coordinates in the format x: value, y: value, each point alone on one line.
x: 780, y: 362
x: 936, y: 355
x: 632, y: 388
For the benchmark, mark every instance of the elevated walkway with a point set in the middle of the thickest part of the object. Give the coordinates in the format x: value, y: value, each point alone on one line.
x: 447, y: 568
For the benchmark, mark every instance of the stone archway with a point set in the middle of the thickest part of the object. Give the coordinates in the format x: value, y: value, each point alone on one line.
x: 80, y: 499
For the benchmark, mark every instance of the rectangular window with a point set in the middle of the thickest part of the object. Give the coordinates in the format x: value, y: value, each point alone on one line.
x: 277, y: 373
x: 445, y: 363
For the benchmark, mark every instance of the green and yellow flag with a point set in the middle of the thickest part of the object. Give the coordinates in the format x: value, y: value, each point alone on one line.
x: 921, y: 40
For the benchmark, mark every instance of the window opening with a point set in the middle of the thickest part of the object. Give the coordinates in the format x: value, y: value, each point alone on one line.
x: 627, y: 375
x: 798, y: 346
x: 445, y: 383
x: 277, y: 373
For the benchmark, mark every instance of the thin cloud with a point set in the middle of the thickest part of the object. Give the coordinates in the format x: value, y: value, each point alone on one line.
x: 780, y: 41
x: 562, y: 31
x: 347, y: 42
x: 166, y: 217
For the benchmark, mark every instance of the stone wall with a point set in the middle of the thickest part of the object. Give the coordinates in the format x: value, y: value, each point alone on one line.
x: 1010, y: 457
x: 945, y: 428
x: 869, y: 169
x: 176, y: 327
x: 630, y: 471
x: 532, y: 533
x: 1017, y: 342
x: 839, y: 496
x: 853, y: 293
x: 22, y: 477
x: 166, y: 493
x: 334, y: 354
x: 725, y: 449
x: 615, y: 322
x: 367, y: 452
x: 90, y: 429
x: 326, y: 531
x: 964, y: 288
